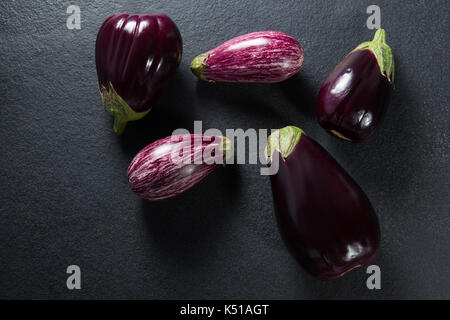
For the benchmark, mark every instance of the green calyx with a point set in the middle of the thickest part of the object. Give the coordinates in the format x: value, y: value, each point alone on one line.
x: 198, y: 64
x: 382, y: 52
x: 284, y: 141
x: 227, y: 149
x: 118, y: 108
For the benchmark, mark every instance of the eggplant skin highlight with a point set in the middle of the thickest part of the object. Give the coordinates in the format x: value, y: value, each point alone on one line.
x: 324, y: 217
x: 135, y: 56
x: 354, y: 97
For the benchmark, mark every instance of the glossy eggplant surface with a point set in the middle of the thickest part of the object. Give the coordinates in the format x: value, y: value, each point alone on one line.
x: 325, y: 218
x: 354, y: 97
x: 135, y: 56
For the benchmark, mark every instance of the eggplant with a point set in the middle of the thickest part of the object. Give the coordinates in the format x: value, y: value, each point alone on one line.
x: 172, y: 165
x: 265, y: 56
x: 135, y: 55
x: 324, y: 217
x: 353, y: 99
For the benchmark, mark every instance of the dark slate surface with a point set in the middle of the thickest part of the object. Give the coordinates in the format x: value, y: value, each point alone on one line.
x: 64, y: 193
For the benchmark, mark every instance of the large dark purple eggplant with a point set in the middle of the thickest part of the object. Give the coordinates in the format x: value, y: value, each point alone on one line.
x: 353, y: 99
x: 135, y: 56
x: 325, y: 218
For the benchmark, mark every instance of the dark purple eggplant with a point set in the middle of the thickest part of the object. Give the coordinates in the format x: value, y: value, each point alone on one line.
x: 353, y: 99
x: 324, y: 217
x: 172, y: 165
x: 135, y: 56
x: 264, y: 56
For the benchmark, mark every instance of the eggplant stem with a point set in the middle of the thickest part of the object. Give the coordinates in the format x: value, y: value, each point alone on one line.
x: 382, y: 52
x: 119, y: 125
x: 227, y: 149
x: 380, y: 36
x: 118, y: 108
x: 284, y: 141
x: 198, y: 64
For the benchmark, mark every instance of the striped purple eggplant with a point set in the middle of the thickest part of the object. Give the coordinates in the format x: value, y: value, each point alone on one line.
x: 324, y: 217
x: 265, y: 56
x: 135, y: 56
x: 172, y: 165
x: 353, y: 99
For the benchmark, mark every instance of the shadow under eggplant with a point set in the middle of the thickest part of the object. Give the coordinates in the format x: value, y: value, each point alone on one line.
x: 168, y: 113
x: 300, y: 93
x: 250, y: 99
x: 187, y: 227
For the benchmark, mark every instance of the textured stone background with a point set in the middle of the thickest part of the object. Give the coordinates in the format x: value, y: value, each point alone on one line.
x: 64, y: 196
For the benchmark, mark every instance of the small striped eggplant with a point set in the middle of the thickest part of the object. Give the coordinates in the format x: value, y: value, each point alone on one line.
x: 172, y: 165
x: 266, y: 56
x: 353, y: 99
x: 135, y: 56
x: 324, y: 217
